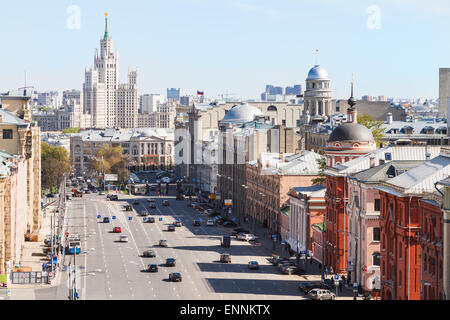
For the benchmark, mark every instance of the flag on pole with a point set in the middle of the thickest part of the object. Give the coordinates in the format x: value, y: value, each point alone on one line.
x: 200, y: 93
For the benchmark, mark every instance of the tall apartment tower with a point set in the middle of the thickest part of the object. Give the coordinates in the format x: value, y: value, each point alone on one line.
x: 127, y: 100
x: 444, y: 91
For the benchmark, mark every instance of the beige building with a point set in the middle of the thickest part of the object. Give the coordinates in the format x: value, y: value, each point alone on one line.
x: 20, y: 177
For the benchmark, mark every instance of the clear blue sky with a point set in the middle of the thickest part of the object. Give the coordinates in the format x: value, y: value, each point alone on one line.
x: 237, y: 46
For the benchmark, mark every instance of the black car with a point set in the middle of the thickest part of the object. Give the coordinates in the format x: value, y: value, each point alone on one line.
x: 229, y: 224
x: 51, y: 195
x: 180, y: 197
x: 197, y: 223
x: 220, y: 220
x: 128, y: 208
x: 105, y: 220
x: 306, y: 286
x: 166, y: 203
x: 170, y: 262
x: 152, y: 206
x: 152, y: 268
x: 113, y: 197
x: 150, y: 220
x: 171, y: 228
x: 175, y: 277
x: 238, y: 230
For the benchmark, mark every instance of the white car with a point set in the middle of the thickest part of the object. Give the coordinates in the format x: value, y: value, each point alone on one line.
x: 210, y: 222
x: 245, y: 236
x: 123, y: 238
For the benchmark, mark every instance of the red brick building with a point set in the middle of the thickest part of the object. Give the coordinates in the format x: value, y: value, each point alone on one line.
x: 431, y: 246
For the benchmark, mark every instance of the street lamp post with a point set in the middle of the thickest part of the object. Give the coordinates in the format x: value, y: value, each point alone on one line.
x: 245, y: 193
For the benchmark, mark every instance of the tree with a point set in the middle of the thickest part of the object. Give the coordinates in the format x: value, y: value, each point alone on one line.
x: 71, y: 130
x: 55, y: 163
x: 374, y: 125
x: 111, y: 160
x: 322, y: 162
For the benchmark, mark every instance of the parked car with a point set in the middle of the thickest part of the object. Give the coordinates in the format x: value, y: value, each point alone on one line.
x: 178, y: 223
x: 234, y: 232
x: 123, y: 239
x: 117, y: 230
x: 108, y: 195
x: 197, y: 223
x: 105, y: 220
x: 166, y: 203
x: 229, y: 224
x: 225, y: 258
x: 220, y: 220
x: 150, y: 220
x: 321, y: 294
x: 286, y: 264
x: 114, y: 197
x: 305, y: 287
x: 152, y: 268
x: 170, y: 227
x: 253, y: 265
x: 150, y: 200
x: 171, y: 262
x: 101, y: 193
x: 210, y: 222
x: 163, y: 243
x: 149, y: 253
x: 175, y: 277
x: 152, y: 206
x: 144, y: 214
x: 210, y: 212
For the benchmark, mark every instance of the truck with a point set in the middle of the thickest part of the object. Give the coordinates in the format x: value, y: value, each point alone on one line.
x: 225, y: 241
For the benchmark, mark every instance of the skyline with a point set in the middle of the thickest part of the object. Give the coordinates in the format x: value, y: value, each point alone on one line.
x: 244, y: 46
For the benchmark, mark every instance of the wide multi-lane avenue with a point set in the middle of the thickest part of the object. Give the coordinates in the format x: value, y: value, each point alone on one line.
x: 109, y: 269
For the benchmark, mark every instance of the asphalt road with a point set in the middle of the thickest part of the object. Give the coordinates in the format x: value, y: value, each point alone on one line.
x: 109, y: 269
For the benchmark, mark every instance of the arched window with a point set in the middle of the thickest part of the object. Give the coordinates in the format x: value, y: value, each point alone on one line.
x: 272, y: 108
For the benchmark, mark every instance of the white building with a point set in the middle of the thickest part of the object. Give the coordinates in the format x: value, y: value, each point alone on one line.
x: 317, y: 96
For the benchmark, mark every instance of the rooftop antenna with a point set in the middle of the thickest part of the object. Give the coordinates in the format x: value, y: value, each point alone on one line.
x: 317, y: 57
x: 25, y: 87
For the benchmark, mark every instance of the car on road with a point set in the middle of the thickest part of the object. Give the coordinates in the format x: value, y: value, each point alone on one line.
x: 180, y: 197
x: 286, y: 264
x: 210, y: 222
x: 210, y: 212
x: 117, y: 230
x: 305, y: 287
x: 152, y: 206
x: 51, y: 195
x: 178, y: 223
x: 253, y: 265
x: 150, y: 200
x: 101, y: 193
x: 166, y: 203
x: 321, y: 294
x: 170, y: 262
x: 149, y: 253
x: 128, y: 208
x: 225, y: 258
x: 236, y: 231
x: 114, y: 197
x: 87, y: 191
x: 170, y: 227
x: 220, y: 219
x: 197, y: 223
x: 293, y: 270
x: 150, y: 220
x: 175, y: 277
x: 123, y: 239
x: 163, y: 243
x: 152, y: 268
x: 105, y: 220
x: 229, y: 224
x: 108, y: 195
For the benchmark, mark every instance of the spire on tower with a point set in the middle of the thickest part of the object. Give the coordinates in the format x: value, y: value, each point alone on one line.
x: 352, y: 101
x: 106, y: 25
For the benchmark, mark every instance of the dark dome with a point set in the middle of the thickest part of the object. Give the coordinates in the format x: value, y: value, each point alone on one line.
x: 351, y: 132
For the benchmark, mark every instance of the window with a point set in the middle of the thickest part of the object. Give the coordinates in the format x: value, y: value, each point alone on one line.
x: 377, y: 205
x: 7, y: 134
x: 298, y: 123
x: 283, y: 122
x: 376, y: 234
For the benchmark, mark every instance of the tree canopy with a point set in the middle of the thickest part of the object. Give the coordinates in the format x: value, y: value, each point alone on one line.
x: 374, y: 125
x: 111, y: 160
x: 55, y: 163
x: 322, y: 162
x: 71, y: 130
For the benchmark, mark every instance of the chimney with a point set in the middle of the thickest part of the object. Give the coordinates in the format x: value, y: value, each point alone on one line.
x: 389, y: 118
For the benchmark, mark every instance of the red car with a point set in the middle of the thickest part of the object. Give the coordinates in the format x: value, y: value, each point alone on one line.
x: 117, y: 230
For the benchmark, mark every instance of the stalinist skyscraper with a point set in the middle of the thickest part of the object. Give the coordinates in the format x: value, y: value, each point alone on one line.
x: 103, y: 96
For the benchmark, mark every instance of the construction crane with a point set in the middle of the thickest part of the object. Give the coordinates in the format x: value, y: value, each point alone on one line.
x: 226, y: 95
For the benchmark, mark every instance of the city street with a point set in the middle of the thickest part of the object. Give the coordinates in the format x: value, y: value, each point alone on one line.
x: 110, y: 269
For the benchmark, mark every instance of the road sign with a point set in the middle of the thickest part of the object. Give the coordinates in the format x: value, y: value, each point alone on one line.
x: 283, y: 242
x: 160, y: 219
x: 8, y: 292
x: 111, y: 177
x: 145, y: 219
x: 233, y: 219
x: 98, y: 217
x: 336, y: 278
x: 130, y: 218
x: 114, y: 217
x: 274, y: 237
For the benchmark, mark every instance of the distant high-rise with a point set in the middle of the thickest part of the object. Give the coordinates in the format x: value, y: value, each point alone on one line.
x: 101, y: 89
x: 367, y: 98
x: 173, y: 94
x: 295, y: 90
x: 444, y: 90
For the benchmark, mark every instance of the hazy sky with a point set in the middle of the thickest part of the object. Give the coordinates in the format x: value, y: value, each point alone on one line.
x: 394, y: 47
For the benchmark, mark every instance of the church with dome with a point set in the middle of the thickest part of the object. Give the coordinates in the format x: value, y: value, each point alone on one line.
x: 350, y: 140
x: 317, y: 102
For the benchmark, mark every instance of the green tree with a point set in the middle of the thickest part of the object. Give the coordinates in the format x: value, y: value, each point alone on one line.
x: 375, y: 125
x: 111, y: 160
x: 322, y: 162
x: 71, y: 130
x: 55, y: 163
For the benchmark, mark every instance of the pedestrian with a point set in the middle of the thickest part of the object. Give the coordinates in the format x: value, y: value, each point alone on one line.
x: 331, y: 270
x: 326, y: 272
